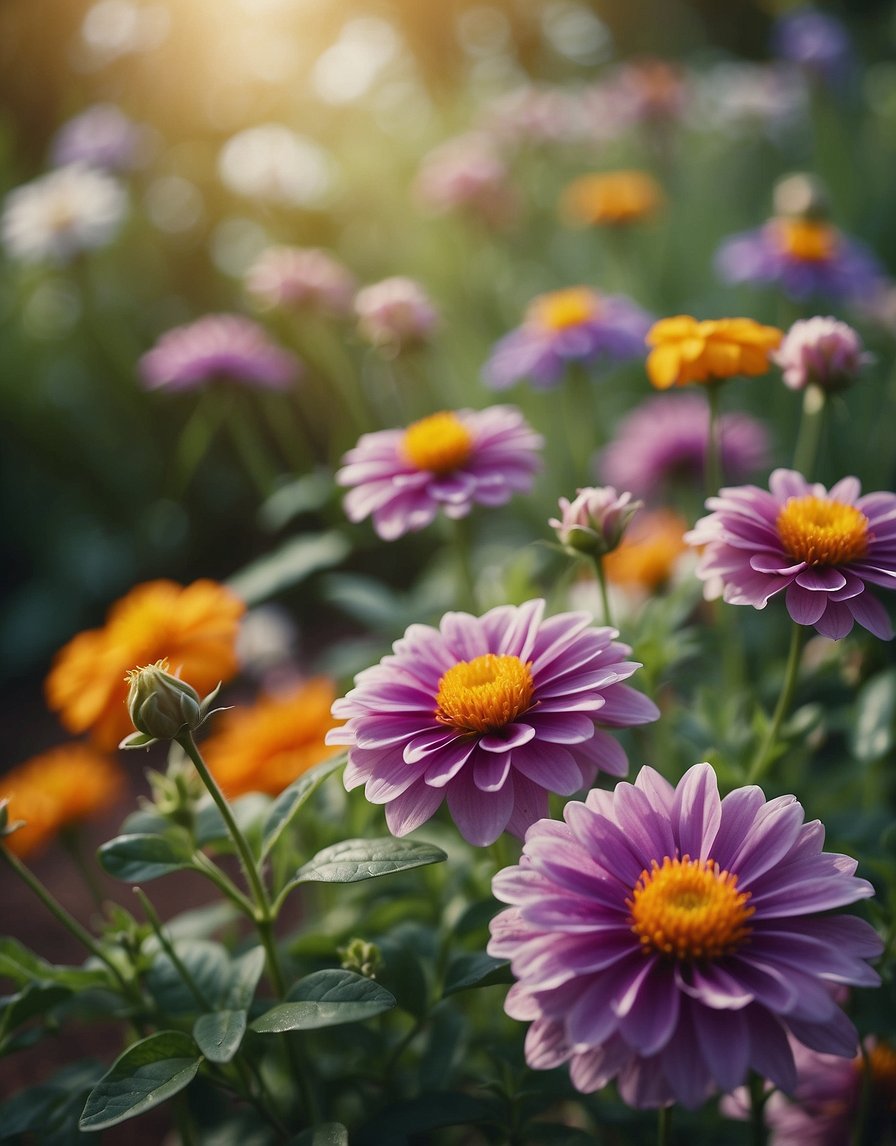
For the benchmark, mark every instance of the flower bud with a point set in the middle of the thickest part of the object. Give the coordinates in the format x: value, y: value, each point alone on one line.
x: 361, y: 957
x: 161, y: 705
x: 595, y: 522
x: 820, y: 351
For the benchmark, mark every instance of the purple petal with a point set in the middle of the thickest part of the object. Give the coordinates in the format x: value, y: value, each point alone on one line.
x: 804, y: 607
x: 697, y: 811
x: 480, y: 816
x: 412, y: 808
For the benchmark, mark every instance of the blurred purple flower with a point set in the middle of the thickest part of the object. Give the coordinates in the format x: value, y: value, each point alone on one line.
x: 492, y: 713
x: 448, y: 461
x: 823, y: 352
x: 468, y: 174
x: 669, y: 939
x: 301, y: 279
x: 565, y: 326
x: 217, y: 347
x: 663, y: 441
x: 395, y: 313
x: 595, y: 521
x: 803, y: 258
x: 101, y: 136
x: 816, y: 41
x: 821, y: 547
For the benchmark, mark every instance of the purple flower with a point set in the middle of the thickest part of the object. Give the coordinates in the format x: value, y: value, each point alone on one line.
x: 217, y: 347
x: 395, y: 313
x: 448, y: 461
x: 803, y: 258
x: 492, y: 713
x: 670, y: 939
x: 817, y: 42
x: 301, y: 279
x: 595, y: 521
x: 101, y: 136
x: 820, y: 352
x: 820, y: 547
x: 663, y: 441
x: 468, y: 174
x: 565, y: 326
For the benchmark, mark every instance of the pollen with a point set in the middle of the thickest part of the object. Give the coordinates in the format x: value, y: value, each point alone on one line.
x: 689, y: 909
x: 484, y: 694
x: 440, y: 443
x: 564, y: 309
x: 822, y: 532
x: 807, y: 239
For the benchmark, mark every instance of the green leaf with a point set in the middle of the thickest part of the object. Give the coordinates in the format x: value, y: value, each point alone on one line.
x: 292, y: 798
x: 475, y: 970
x: 302, y: 495
x: 219, y: 1034
x: 248, y: 810
x: 207, y: 964
x: 139, y: 858
x: 244, y: 975
x: 424, y: 1113
x: 148, y: 1073
x: 354, y: 860
x: 24, y: 967
x: 326, y: 999
x: 288, y: 565
x: 41, y: 1110
x: 34, y: 999
x: 324, y: 1134
x: 875, y: 720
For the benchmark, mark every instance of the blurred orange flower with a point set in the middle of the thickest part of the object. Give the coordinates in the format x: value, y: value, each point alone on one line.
x: 615, y: 199
x: 647, y: 555
x: 193, y: 626
x: 57, y: 788
x: 263, y: 748
x: 686, y: 350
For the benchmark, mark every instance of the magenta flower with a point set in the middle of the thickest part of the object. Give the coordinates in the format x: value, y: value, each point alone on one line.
x: 566, y: 326
x: 448, y: 461
x: 822, y: 352
x: 491, y: 713
x: 301, y: 279
x: 670, y: 939
x: 395, y: 313
x: 820, y: 547
x: 217, y: 347
x: 595, y: 520
x: 468, y: 174
x: 662, y: 443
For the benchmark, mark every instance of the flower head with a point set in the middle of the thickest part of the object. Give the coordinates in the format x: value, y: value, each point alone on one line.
x: 193, y: 626
x: 686, y: 350
x: 395, y: 314
x: 59, y: 787
x: 101, y: 136
x: 595, y: 521
x: 448, y: 461
x: 663, y: 442
x: 820, y: 547
x: 264, y: 747
x: 301, y: 279
x: 60, y: 215
x: 817, y: 41
x: 821, y: 352
x: 670, y: 939
x: 612, y: 199
x: 562, y: 327
x: 468, y: 174
x: 648, y: 555
x: 214, y: 348
x: 492, y: 713
x: 162, y: 706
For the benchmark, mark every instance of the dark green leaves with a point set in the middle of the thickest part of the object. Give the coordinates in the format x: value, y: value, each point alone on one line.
x: 292, y: 798
x: 140, y: 858
x: 354, y: 860
x: 326, y: 999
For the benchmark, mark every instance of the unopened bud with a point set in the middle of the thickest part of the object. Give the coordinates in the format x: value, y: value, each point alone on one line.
x: 161, y: 705
x: 595, y: 521
x: 362, y: 957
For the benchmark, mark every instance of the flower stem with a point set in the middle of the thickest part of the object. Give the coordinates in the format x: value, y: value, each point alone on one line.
x: 604, y: 595
x: 71, y: 841
x: 463, y: 550
x: 168, y: 947
x: 714, y: 475
x: 758, y: 1098
x: 809, y: 433
x: 664, y: 1126
x: 864, y: 1097
x: 791, y: 672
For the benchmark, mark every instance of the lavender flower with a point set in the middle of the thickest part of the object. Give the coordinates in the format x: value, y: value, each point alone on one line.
x: 595, y: 522
x: 395, y: 313
x: 669, y: 939
x: 217, y: 347
x: 820, y: 547
x: 491, y: 713
x: 301, y: 279
x: 663, y: 442
x: 820, y: 352
x: 62, y: 214
x: 572, y: 325
x: 101, y: 136
x: 817, y: 41
x: 448, y: 461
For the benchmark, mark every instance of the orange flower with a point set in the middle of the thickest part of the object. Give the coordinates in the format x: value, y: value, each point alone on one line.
x: 685, y: 350
x: 614, y: 199
x: 265, y: 747
x: 56, y: 788
x: 646, y: 557
x: 194, y: 627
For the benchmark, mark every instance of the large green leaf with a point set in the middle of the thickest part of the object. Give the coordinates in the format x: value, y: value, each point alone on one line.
x: 248, y: 811
x: 42, y: 1110
x: 325, y: 1134
x: 874, y: 730
x: 292, y: 798
x: 287, y: 566
x: 34, y: 999
x: 148, y: 1073
x: 208, y: 965
x: 139, y: 858
x: 475, y: 969
x: 354, y: 860
x: 326, y: 999
x: 219, y: 1034
x: 24, y: 967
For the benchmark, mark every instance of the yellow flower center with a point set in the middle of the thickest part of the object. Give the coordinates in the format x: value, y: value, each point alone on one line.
x: 484, y: 694
x: 440, y: 443
x: 689, y: 909
x: 806, y: 239
x: 822, y: 532
x: 562, y: 309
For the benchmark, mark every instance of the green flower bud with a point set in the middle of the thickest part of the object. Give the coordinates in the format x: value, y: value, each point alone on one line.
x: 162, y: 706
x: 361, y: 957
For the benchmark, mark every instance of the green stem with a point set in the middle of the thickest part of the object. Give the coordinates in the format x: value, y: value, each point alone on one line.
x: 463, y: 551
x: 864, y: 1097
x: 580, y: 422
x: 212, y: 872
x: 714, y: 475
x: 168, y: 947
x: 604, y: 594
x: 791, y: 672
x: 758, y: 1098
x: 252, y: 450
x: 809, y: 433
x: 664, y: 1126
x: 71, y: 841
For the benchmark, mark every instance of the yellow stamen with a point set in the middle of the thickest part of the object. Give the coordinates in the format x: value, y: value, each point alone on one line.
x: 806, y: 239
x: 484, y: 694
x: 562, y: 309
x: 822, y: 532
x: 440, y: 443
x: 689, y: 909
